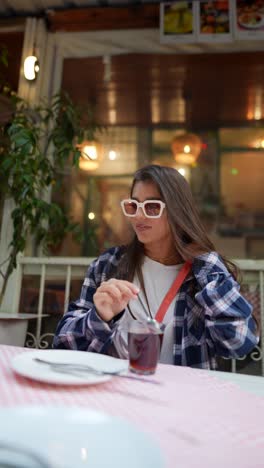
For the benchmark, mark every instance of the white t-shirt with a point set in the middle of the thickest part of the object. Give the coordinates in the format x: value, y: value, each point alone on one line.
x: 158, y: 279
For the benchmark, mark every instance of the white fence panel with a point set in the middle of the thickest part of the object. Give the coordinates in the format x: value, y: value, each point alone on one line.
x: 65, y: 270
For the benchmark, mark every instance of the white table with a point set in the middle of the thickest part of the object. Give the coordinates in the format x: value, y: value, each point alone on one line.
x: 198, y: 418
x: 249, y: 383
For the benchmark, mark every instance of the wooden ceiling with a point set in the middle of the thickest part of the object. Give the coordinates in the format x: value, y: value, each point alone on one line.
x: 12, y: 8
x: 95, y: 19
x: 197, y: 90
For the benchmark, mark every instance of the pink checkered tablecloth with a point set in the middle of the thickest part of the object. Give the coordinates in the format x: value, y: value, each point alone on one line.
x: 197, y: 419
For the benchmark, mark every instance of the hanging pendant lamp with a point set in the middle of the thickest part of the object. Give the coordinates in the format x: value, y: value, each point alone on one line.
x: 186, y: 148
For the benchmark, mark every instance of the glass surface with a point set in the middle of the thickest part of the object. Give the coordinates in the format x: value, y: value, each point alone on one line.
x: 144, y: 351
x: 94, y: 204
x: 92, y: 198
x: 242, y: 195
x: 241, y: 137
x: 227, y: 187
x: 144, y: 345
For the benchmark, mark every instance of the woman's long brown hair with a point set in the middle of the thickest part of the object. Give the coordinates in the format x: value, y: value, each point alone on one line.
x: 189, y: 234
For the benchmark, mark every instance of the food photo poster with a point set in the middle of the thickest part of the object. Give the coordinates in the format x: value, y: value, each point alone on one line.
x: 211, y: 21
x: 214, y: 21
x: 196, y: 21
x: 249, y: 19
x: 177, y: 22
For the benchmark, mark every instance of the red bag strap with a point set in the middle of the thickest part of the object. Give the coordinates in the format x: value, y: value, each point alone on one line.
x: 173, y: 291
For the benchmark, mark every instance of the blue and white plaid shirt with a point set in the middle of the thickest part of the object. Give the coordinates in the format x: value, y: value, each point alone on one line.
x: 211, y: 318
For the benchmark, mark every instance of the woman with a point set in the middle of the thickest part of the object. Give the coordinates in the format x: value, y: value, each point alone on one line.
x: 207, y: 318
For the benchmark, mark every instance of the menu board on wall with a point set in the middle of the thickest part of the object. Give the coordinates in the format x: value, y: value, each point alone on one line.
x: 177, y: 22
x: 214, y: 21
x: 211, y: 21
x: 249, y: 19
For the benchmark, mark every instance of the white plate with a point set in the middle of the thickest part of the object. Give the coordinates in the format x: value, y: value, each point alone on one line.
x: 251, y: 26
x: 75, y: 438
x: 25, y: 365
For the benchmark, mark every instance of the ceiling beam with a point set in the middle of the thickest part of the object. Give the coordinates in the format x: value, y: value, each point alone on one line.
x: 106, y: 18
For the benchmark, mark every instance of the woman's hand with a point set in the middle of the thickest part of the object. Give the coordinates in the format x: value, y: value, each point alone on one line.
x: 112, y: 297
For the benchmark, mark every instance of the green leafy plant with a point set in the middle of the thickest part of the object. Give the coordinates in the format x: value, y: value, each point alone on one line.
x: 36, y: 145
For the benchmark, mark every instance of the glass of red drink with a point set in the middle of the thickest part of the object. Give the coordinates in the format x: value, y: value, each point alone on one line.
x: 144, y: 345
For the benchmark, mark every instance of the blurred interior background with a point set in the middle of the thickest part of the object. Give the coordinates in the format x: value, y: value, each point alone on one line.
x: 194, y: 105
x: 204, y: 97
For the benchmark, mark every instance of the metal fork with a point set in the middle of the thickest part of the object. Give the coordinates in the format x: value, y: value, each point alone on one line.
x: 77, y: 367
x: 79, y: 370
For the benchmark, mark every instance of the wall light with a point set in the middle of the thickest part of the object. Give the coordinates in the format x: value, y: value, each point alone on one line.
x: 31, y: 67
x: 91, y: 155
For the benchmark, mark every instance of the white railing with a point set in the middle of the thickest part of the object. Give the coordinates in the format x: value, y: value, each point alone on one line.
x: 253, y: 279
x: 67, y: 269
x: 47, y: 268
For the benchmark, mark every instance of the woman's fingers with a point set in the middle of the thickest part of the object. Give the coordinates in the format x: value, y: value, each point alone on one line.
x: 118, y: 290
x: 110, y: 289
x: 104, y: 306
x: 104, y: 297
x: 114, y: 296
x: 124, y: 284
